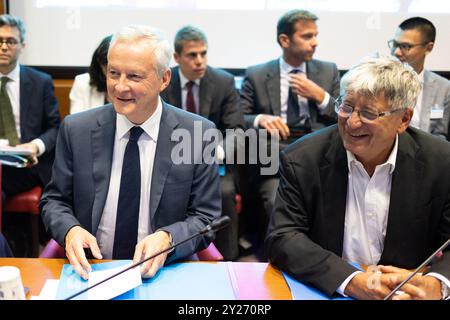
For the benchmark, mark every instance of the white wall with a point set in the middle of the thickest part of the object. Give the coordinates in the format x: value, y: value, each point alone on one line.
x: 67, y: 36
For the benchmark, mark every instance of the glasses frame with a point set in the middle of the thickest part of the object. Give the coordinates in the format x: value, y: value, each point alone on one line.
x: 339, y: 105
x: 10, y: 42
x: 405, y: 47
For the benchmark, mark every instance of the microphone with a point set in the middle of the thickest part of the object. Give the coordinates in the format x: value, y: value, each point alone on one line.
x: 441, y: 248
x: 212, y: 227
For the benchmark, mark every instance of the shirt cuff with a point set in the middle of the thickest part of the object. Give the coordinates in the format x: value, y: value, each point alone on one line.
x: 325, y: 101
x: 344, y: 284
x: 444, y: 282
x: 41, y: 146
x: 256, y: 121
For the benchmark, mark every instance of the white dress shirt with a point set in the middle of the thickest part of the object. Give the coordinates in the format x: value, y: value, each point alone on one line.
x: 184, y: 91
x: 13, y: 90
x: 147, y: 149
x: 366, y: 213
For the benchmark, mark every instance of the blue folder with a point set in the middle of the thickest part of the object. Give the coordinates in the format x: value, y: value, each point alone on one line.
x: 177, y: 281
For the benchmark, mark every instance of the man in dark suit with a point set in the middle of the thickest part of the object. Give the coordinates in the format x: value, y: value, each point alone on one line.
x: 369, y: 190
x: 118, y: 188
x: 211, y: 93
x: 5, y: 250
x: 29, y: 111
x: 289, y: 96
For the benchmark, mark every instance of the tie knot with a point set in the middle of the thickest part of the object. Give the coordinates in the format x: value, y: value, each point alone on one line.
x: 4, y: 80
x: 295, y: 71
x: 135, y: 133
x: 190, y: 84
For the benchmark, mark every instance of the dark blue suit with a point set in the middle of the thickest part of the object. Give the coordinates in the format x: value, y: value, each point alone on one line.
x: 39, y: 118
x: 5, y: 251
x: 184, y: 197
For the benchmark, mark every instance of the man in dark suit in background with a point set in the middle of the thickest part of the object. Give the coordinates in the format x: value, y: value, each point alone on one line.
x: 370, y: 190
x: 117, y: 187
x: 5, y: 250
x: 211, y: 93
x: 29, y: 111
x: 290, y: 96
x: 29, y: 118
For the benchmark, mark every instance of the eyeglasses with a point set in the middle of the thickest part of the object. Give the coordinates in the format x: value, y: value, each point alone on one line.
x: 367, y: 116
x: 405, y: 47
x: 10, y: 42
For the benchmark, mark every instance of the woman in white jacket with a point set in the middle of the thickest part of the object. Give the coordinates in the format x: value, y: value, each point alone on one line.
x: 89, y: 89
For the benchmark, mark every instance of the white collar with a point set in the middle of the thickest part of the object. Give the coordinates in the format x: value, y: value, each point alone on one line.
x: 285, y: 67
x: 150, y: 126
x: 390, y: 161
x: 14, y: 75
x: 184, y: 80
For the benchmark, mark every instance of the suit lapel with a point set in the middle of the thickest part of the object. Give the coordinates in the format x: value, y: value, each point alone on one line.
x: 25, y: 95
x: 206, y: 92
x: 428, y: 94
x: 404, y: 195
x: 162, y: 163
x: 312, y: 73
x: 273, y: 87
x: 102, y: 151
x: 335, y: 173
x: 174, y: 94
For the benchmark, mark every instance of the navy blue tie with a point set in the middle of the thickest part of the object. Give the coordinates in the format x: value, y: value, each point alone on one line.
x: 127, y: 220
x: 293, y: 108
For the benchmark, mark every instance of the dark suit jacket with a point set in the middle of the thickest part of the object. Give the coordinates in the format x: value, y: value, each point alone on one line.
x: 5, y: 250
x: 184, y: 197
x: 260, y: 92
x: 305, y: 235
x: 39, y: 115
x: 219, y: 99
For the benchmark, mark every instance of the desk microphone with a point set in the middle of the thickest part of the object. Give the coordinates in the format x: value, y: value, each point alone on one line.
x: 426, y: 262
x: 212, y: 227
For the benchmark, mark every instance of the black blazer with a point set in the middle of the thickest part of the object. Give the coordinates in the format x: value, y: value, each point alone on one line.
x: 39, y: 115
x: 306, y: 231
x: 219, y: 99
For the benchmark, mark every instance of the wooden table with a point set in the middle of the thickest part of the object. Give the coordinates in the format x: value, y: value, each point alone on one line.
x: 250, y: 280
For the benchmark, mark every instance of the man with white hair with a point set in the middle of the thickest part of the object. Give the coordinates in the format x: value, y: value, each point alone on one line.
x: 115, y: 189
x: 369, y: 190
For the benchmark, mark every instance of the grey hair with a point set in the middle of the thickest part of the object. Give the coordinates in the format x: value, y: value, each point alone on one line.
x: 372, y: 76
x: 12, y: 21
x: 161, y: 47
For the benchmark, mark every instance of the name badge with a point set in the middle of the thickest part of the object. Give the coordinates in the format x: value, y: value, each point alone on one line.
x: 437, y: 112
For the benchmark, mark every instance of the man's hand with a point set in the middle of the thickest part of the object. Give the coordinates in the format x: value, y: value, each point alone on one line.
x: 418, y: 287
x: 274, y: 125
x: 369, y: 285
x: 76, y: 240
x: 306, y: 88
x: 147, y: 247
x: 34, y: 149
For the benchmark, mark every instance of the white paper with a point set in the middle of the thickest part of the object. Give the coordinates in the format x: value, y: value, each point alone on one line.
x: 115, y: 286
x: 49, y: 290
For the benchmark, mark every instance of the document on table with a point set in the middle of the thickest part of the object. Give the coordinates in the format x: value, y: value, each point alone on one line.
x: 71, y: 283
x: 116, y: 286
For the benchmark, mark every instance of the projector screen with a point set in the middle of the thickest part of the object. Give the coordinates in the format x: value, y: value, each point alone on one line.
x: 240, y: 32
